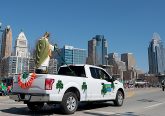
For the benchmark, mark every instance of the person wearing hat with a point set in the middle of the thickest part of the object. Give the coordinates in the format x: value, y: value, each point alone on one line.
x: 43, y: 53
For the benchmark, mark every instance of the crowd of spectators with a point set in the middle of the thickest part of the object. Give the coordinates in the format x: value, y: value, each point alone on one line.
x: 5, y: 89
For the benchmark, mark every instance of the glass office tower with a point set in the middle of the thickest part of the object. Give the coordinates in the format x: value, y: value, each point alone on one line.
x: 97, y: 50
x: 71, y: 55
x: 156, y: 55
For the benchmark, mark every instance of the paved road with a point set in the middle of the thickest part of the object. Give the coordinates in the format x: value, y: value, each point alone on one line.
x: 138, y: 102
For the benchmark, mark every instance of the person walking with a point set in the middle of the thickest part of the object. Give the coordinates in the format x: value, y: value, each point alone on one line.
x: 163, y: 84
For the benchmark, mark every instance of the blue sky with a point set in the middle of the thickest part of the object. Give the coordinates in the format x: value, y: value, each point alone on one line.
x: 127, y: 25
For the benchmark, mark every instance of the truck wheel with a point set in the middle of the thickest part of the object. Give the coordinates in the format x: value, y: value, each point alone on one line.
x: 35, y: 106
x: 69, y: 103
x: 119, y: 99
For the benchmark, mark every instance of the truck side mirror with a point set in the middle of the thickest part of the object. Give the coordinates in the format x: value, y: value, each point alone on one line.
x: 113, y: 78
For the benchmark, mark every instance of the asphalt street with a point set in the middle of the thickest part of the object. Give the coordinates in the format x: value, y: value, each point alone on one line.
x: 138, y: 102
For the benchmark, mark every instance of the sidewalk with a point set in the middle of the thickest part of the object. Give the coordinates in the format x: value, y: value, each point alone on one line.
x: 4, y: 97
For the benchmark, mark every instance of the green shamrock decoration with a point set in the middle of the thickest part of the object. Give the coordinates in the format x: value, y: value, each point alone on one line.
x: 103, y: 90
x: 84, y: 86
x: 59, y: 85
x: 25, y: 75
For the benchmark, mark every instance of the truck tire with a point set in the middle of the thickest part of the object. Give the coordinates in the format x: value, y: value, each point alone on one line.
x: 119, y: 99
x: 69, y: 103
x: 35, y: 106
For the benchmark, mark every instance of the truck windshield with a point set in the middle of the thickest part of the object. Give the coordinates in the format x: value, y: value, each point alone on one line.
x: 75, y: 71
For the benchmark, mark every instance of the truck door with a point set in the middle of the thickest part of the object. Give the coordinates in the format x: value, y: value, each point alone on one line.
x: 103, y: 87
x: 108, y: 86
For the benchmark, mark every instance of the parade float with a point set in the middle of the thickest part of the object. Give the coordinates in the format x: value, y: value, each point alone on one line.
x: 73, y: 84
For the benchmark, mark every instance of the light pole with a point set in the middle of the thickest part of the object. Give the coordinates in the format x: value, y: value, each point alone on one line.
x: 121, y: 73
x: 0, y: 51
x: 0, y: 24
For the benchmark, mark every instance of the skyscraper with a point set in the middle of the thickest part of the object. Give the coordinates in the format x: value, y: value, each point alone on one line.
x: 71, y: 55
x: 118, y: 65
x: 129, y: 60
x: 21, y: 46
x: 6, y: 45
x: 52, y: 69
x: 97, y: 50
x: 114, y: 56
x: 156, y: 55
x: 14, y: 65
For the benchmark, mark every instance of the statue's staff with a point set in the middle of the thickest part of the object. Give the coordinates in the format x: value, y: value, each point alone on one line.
x: 56, y: 50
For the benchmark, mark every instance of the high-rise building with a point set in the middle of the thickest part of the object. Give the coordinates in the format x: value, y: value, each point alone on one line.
x: 114, y: 56
x: 52, y: 69
x: 14, y: 65
x: 97, y: 50
x: 91, y: 52
x: 79, y: 56
x: 71, y: 55
x: 129, y: 75
x: 156, y: 55
x: 31, y: 65
x: 21, y: 46
x: 129, y: 60
x: 6, y: 45
x: 118, y: 66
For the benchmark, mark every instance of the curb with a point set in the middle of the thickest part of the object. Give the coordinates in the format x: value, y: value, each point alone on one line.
x: 4, y: 97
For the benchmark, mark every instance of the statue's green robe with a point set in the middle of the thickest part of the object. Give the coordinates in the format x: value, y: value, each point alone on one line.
x: 42, y: 52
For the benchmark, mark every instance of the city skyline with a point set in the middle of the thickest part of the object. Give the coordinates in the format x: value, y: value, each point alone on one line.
x: 127, y: 25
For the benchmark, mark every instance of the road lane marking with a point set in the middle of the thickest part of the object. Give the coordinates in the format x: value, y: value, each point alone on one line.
x: 130, y: 94
x: 155, y: 105
x: 100, y: 112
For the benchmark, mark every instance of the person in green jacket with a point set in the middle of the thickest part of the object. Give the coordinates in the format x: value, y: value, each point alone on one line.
x: 3, y: 88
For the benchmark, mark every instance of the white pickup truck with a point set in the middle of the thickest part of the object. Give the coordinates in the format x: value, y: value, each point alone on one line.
x: 73, y: 84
